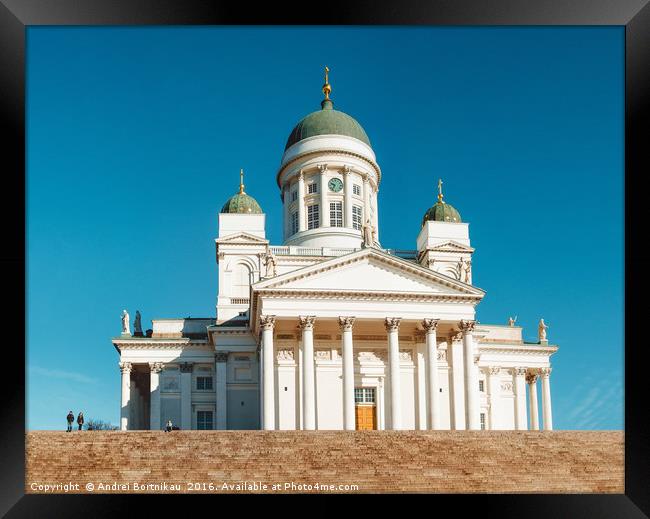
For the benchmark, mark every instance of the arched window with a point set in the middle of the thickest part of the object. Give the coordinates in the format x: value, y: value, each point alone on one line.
x: 241, y: 280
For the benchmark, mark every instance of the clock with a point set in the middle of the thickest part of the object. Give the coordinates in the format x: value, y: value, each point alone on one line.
x: 335, y: 184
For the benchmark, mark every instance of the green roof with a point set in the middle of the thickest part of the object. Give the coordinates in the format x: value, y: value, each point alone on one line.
x: 327, y: 121
x: 241, y: 203
x: 442, y: 212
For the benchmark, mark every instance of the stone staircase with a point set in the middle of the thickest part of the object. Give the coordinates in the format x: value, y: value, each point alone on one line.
x: 374, y: 461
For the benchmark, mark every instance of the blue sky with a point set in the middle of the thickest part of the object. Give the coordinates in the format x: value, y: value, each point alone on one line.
x: 135, y: 137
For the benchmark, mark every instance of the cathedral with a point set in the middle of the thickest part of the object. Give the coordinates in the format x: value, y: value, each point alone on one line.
x: 330, y: 329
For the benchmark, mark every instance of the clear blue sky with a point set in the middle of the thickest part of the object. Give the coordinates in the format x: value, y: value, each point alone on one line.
x: 136, y: 136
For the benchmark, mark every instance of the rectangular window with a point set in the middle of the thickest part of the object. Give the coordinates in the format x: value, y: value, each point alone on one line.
x: 482, y: 421
x: 356, y: 189
x: 364, y: 395
x: 481, y: 387
x: 294, y: 222
x: 336, y: 214
x: 357, y: 217
x: 313, y: 218
x: 294, y: 195
x: 312, y: 188
x: 203, y: 383
x: 204, y: 420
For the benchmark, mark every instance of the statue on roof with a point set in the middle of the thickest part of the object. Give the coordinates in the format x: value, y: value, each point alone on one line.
x: 270, y: 265
x: 541, y: 330
x: 511, y: 321
x: 369, y: 234
x: 137, y: 325
x: 126, y: 329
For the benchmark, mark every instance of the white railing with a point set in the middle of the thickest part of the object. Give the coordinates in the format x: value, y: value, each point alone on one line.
x: 291, y: 250
x: 239, y: 301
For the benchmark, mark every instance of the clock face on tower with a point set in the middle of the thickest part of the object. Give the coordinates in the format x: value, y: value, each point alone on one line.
x: 335, y: 185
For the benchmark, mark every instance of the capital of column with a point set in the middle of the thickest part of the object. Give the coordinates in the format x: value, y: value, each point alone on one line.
x: 221, y: 356
x: 156, y: 367
x: 430, y: 325
x: 306, y: 322
x: 545, y: 372
x: 392, y: 323
x: 531, y: 378
x: 347, y: 169
x: 346, y: 323
x: 322, y: 167
x: 455, y: 337
x: 493, y: 370
x: 267, y: 322
x: 125, y: 367
x: 186, y: 367
x: 301, y: 175
x: 519, y: 372
x: 467, y: 326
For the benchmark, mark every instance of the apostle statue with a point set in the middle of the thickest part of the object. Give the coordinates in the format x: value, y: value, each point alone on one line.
x: 368, y: 234
x: 511, y: 321
x: 126, y: 330
x: 137, y: 326
x: 270, y: 265
x: 541, y: 330
x: 467, y: 271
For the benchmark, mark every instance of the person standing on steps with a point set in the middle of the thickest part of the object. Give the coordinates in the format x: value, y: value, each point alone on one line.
x: 168, y: 427
x: 80, y: 420
x: 70, y: 419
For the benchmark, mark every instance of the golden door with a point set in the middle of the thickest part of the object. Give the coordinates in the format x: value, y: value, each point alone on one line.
x: 366, y: 417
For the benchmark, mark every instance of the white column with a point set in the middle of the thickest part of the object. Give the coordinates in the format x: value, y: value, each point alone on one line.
x: 154, y: 387
x: 267, y: 323
x: 125, y: 368
x: 308, y: 396
x: 547, y: 415
x: 494, y: 390
x: 286, y: 200
x: 324, y: 204
x: 455, y: 353
x: 520, y: 398
x: 302, y: 217
x: 348, y: 372
x: 347, y: 193
x: 221, y: 390
x: 422, y: 400
x: 376, y: 214
x: 392, y: 327
x: 433, y: 382
x: 472, y: 410
x: 531, y: 379
x: 186, y: 396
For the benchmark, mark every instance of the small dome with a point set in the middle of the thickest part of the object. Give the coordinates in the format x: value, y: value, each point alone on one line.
x: 442, y: 212
x: 240, y: 202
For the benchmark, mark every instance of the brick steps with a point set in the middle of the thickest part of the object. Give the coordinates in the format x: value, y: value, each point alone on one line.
x: 376, y: 461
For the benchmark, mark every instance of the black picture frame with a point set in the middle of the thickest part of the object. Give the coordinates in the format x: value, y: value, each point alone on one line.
x: 634, y: 15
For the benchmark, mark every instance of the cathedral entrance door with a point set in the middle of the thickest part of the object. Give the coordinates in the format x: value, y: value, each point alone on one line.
x: 365, y: 408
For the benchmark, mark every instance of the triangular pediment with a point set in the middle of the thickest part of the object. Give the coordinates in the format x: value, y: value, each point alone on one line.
x: 243, y: 238
x: 451, y: 246
x: 368, y: 271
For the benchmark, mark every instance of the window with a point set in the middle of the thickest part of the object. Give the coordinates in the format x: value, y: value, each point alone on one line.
x: 356, y: 189
x: 313, y: 220
x: 203, y: 383
x: 482, y: 421
x: 336, y: 214
x: 204, y: 420
x: 312, y: 188
x: 481, y: 386
x: 364, y: 395
x: 357, y: 217
x: 294, y: 222
x: 241, y: 281
x: 294, y: 195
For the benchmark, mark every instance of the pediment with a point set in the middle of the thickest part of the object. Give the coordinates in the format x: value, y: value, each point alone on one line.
x: 451, y: 246
x: 368, y: 271
x: 243, y: 238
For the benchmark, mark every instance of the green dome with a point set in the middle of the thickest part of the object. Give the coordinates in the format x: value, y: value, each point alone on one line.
x: 241, y: 203
x: 441, y: 212
x: 327, y: 121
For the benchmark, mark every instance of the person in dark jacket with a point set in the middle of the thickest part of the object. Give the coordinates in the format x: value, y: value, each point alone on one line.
x: 70, y: 419
x: 80, y: 420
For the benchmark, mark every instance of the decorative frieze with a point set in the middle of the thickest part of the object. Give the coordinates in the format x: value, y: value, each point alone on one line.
x: 405, y: 355
x: 323, y: 354
x: 442, y: 355
x: 506, y: 386
x: 285, y: 355
x: 372, y: 356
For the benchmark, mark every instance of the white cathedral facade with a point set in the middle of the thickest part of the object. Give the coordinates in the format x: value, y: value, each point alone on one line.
x: 330, y: 330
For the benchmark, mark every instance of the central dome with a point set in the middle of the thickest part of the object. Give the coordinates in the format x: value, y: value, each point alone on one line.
x: 327, y: 121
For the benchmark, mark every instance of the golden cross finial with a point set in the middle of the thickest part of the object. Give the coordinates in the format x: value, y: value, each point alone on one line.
x: 440, y: 190
x: 241, y: 181
x: 327, y: 89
